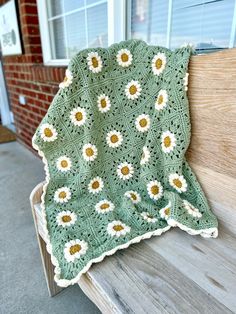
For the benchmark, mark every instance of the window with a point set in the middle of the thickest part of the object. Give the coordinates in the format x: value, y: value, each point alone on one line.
x: 67, y: 26
x: 209, y: 25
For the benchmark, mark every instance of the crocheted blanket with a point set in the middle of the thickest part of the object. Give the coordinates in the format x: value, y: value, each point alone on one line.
x: 113, y: 143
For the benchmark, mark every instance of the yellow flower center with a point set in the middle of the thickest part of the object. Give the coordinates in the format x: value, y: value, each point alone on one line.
x: 118, y: 227
x: 65, y: 79
x: 105, y: 206
x: 167, y: 211
x: 48, y: 132
x: 64, y: 164
x: 74, y: 249
x: 103, y: 103
x: 95, y: 185
x: 178, y: 183
x: 158, y: 63
x: 125, y: 170
x: 62, y: 194
x: 94, y: 62
x: 167, y: 141
x: 133, y: 89
x: 66, y: 218
x: 160, y: 99
x: 155, y: 189
x: 124, y: 57
x: 114, y: 138
x: 143, y: 122
x: 133, y: 196
x: 89, y: 152
x: 149, y: 216
x: 79, y: 116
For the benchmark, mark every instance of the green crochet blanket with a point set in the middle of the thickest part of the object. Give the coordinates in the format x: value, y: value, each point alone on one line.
x: 113, y: 142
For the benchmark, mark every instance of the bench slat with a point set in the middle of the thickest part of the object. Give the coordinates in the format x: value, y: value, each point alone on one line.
x: 163, y: 275
x: 212, y: 98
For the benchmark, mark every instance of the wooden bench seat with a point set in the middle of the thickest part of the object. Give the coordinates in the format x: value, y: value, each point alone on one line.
x: 177, y: 272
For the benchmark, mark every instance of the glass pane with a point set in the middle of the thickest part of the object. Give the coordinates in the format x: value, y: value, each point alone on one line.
x: 70, y: 5
x: 207, y: 24
x: 76, y: 32
x: 97, y: 26
x: 149, y: 21
x: 55, y: 7
x: 57, y: 36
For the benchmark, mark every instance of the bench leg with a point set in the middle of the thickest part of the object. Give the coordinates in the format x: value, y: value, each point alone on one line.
x: 48, y: 267
x: 53, y: 288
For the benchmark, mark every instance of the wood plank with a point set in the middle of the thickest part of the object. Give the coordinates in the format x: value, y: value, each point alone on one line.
x: 140, y: 280
x: 212, y: 97
x: 210, y: 264
x: 35, y: 198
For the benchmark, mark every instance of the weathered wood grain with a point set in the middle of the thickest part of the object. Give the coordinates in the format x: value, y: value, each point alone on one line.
x: 141, y: 280
x: 210, y: 264
x: 212, y: 98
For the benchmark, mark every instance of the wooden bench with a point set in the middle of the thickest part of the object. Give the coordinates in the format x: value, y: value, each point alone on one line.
x: 177, y: 272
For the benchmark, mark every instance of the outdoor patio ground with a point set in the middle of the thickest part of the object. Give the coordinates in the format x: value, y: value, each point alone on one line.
x: 22, y: 283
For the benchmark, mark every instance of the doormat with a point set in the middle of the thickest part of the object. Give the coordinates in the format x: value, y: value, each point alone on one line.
x: 6, y: 135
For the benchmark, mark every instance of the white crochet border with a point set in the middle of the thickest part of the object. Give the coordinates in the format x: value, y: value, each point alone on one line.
x: 211, y: 232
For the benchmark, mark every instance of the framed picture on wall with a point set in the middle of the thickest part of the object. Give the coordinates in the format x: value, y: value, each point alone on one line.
x: 9, y: 29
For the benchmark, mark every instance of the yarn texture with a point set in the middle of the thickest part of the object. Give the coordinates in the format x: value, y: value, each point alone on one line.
x: 113, y: 143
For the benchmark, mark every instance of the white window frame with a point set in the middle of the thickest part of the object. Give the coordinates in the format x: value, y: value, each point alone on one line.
x: 117, y: 29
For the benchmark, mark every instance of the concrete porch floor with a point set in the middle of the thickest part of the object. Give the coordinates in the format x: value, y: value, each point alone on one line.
x: 22, y: 284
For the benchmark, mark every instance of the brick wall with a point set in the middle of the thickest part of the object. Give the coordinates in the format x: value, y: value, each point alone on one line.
x: 26, y: 75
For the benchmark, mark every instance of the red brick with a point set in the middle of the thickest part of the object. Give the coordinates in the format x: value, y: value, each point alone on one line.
x: 30, y: 8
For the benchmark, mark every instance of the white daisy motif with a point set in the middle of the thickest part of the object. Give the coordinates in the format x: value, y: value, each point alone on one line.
x: 95, y: 185
x: 124, y: 58
x: 145, y: 156
x: 78, y: 116
x: 185, y: 79
x: 168, y: 141
x: 66, y: 218
x: 67, y: 79
x: 74, y: 249
x: 94, y: 62
x: 178, y: 182
x: 134, y: 196
x: 62, y: 195
x: 133, y: 90
x: 114, y: 138
x: 191, y: 209
x: 125, y: 170
x: 48, y: 132
x: 142, y: 122
x: 104, y: 103
x: 89, y: 152
x: 63, y: 163
x: 165, y: 211
x: 117, y: 228
x: 148, y: 217
x: 162, y: 99
x: 155, y: 189
x: 158, y: 63
x: 104, y: 206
